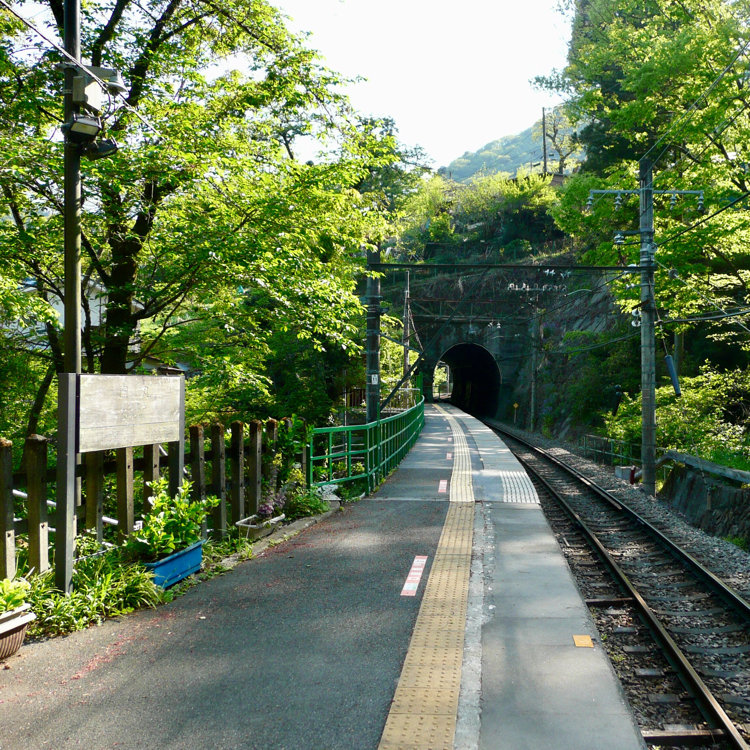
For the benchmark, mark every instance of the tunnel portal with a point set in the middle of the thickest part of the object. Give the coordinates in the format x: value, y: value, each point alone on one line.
x: 476, y: 379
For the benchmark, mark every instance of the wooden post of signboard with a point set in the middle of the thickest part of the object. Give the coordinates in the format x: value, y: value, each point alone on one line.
x: 176, y: 449
x: 125, y: 512
x: 7, y: 524
x: 237, y: 458
x: 67, y: 443
x: 255, y: 472
x: 36, y: 489
x: 95, y: 492
x: 219, y: 480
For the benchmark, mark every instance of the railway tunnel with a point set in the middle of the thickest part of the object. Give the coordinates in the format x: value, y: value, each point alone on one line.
x: 477, y: 381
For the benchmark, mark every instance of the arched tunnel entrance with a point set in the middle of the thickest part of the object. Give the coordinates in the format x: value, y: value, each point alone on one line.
x: 476, y: 379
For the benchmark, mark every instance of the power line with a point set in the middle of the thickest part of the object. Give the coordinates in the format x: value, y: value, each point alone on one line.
x: 674, y: 275
x: 694, y: 106
x: 733, y: 202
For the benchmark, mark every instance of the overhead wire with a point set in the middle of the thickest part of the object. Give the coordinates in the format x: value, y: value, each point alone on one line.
x: 673, y: 274
x: 78, y: 64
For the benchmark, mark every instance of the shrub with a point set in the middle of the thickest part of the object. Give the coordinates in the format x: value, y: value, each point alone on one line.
x: 171, y: 524
x: 307, y: 503
x: 13, y: 593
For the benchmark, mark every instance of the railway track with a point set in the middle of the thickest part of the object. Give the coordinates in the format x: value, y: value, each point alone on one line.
x: 677, y: 634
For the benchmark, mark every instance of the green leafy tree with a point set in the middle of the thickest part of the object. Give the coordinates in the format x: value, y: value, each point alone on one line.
x: 205, y: 233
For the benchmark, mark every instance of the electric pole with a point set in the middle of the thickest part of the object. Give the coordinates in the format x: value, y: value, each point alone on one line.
x: 544, y: 137
x: 67, y: 485
x: 646, y: 269
x: 373, y: 340
x: 648, y: 341
x: 407, y: 331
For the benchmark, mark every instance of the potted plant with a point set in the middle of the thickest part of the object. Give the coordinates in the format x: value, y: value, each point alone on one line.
x: 263, y: 522
x: 14, y: 614
x: 170, y: 541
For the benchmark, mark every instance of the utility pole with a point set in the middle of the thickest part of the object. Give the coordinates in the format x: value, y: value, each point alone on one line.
x: 544, y: 137
x: 646, y: 269
x: 648, y: 341
x: 407, y: 329
x: 67, y: 485
x: 373, y: 340
x: 534, y: 344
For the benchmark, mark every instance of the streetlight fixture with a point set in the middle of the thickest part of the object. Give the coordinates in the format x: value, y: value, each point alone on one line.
x: 82, y: 129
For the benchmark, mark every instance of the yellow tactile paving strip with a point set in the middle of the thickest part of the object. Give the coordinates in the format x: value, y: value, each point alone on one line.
x: 423, y: 712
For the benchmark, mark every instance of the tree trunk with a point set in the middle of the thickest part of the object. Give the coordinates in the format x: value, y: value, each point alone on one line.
x: 32, y: 424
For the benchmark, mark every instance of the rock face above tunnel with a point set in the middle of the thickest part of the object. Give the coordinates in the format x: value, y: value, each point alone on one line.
x: 506, y: 357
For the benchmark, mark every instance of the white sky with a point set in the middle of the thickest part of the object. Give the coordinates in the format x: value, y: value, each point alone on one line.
x: 453, y: 74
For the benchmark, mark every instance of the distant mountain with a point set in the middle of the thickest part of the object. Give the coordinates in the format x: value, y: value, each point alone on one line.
x: 504, y: 155
x: 515, y: 152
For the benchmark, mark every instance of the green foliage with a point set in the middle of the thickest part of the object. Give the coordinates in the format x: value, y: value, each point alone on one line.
x: 580, y: 383
x: 171, y: 524
x: 503, y: 156
x: 104, y: 586
x: 739, y: 541
x: 709, y: 420
x: 13, y: 593
x: 490, y: 214
x: 522, y: 153
x: 306, y: 503
x: 207, y: 242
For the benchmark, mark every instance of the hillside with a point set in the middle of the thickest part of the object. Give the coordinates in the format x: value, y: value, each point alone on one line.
x: 520, y: 152
x: 504, y: 155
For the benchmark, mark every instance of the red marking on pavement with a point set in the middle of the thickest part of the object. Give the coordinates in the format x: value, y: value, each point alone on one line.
x: 415, y: 576
x: 443, y: 486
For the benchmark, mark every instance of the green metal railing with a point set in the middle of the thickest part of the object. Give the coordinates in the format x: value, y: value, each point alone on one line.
x: 616, y: 452
x: 367, y: 451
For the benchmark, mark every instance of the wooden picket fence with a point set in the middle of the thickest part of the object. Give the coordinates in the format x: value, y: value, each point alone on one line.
x: 233, y: 472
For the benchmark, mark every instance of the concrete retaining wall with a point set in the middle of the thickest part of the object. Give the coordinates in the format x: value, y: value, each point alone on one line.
x: 714, y: 506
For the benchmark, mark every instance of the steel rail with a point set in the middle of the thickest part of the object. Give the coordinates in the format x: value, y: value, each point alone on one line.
x: 700, y: 692
x: 733, y: 598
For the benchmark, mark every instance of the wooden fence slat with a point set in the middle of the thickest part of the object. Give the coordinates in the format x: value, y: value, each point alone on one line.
x: 176, y: 450
x: 198, y: 462
x: 237, y: 459
x: 272, y: 440
x: 125, y: 482
x: 8, y: 539
x: 219, y: 480
x: 151, y: 463
x: 255, y: 470
x: 36, y: 504
x: 95, y: 492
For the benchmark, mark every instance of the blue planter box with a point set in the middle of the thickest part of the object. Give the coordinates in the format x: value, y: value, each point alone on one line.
x: 173, y: 568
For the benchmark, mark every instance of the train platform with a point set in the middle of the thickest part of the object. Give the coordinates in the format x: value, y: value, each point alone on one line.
x: 437, y: 613
x: 532, y: 673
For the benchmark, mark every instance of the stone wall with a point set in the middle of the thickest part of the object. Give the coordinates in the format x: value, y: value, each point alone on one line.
x: 717, y: 507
